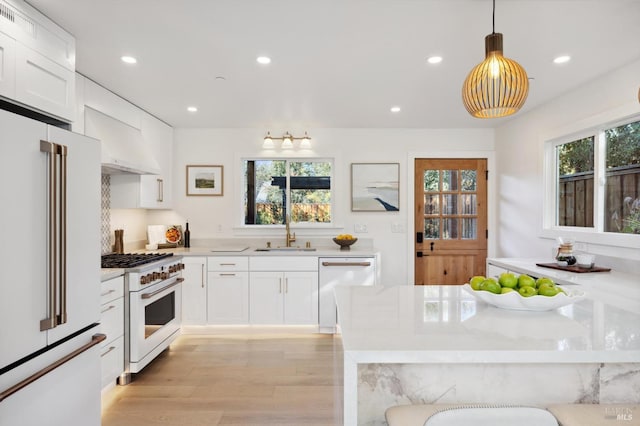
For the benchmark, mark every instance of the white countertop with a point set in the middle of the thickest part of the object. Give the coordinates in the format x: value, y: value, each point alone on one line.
x: 251, y: 251
x: 445, y: 324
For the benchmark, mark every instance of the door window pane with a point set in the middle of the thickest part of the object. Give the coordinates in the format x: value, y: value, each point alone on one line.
x: 450, y: 229
x: 432, y: 228
x: 469, y: 228
x: 431, y: 180
x: 449, y: 180
x: 469, y: 180
x: 575, y: 183
x: 468, y: 202
x: 449, y: 204
x: 431, y: 204
x: 622, y: 189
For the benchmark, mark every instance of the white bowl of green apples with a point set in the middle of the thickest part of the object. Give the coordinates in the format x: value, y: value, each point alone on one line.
x: 522, y: 292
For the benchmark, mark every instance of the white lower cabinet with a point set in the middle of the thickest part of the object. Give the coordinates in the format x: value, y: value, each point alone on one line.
x: 283, y: 297
x: 112, y: 325
x: 227, y: 290
x: 194, y: 290
x: 283, y: 290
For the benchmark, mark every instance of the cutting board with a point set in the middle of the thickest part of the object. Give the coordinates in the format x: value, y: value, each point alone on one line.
x: 229, y: 248
x: 574, y: 268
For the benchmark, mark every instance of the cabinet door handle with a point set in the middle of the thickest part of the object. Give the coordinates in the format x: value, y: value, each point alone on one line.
x: 160, y: 190
x: 108, y: 308
x: 108, y: 292
x: 280, y: 285
x: 111, y: 348
x: 202, y: 276
x: 286, y: 285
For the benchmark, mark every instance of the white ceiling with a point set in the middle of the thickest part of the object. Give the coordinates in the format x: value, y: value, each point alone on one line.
x: 336, y: 63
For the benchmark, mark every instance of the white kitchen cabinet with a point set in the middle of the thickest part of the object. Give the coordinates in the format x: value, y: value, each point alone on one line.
x: 283, y: 297
x: 283, y: 290
x: 7, y: 66
x: 112, y: 325
x: 227, y: 290
x: 44, y: 84
x: 194, y: 290
x: 37, y: 60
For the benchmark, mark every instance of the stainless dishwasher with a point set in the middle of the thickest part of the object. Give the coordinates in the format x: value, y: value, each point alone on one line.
x: 335, y: 271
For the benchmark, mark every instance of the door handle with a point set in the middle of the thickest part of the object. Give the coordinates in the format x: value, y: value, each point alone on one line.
x: 432, y: 244
x: 419, y: 254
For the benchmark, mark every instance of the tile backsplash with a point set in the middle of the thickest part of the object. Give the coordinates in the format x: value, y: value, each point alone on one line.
x: 105, y: 217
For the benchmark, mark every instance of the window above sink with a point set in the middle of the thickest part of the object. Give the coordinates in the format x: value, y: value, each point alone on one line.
x: 275, y: 188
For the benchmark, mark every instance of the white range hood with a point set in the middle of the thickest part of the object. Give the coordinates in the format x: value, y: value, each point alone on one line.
x: 124, y: 149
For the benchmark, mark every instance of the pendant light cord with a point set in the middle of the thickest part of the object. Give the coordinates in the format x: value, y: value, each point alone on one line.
x: 494, y: 17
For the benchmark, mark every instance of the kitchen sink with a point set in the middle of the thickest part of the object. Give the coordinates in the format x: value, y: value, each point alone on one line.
x: 285, y: 249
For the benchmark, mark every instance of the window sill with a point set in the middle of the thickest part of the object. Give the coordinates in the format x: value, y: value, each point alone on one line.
x: 590, y: 236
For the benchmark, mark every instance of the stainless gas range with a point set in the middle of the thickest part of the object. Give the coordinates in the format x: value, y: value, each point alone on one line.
x: 153, y: 300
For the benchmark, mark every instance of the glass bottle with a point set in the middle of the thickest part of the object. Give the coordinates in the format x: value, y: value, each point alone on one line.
x: 187, y: 236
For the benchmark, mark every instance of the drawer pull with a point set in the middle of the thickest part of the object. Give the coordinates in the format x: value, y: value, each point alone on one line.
x: 108, y: 292
x: 346, y: 263
x: 227, y: 275
x: 111, y: 348
x: 108, y: 308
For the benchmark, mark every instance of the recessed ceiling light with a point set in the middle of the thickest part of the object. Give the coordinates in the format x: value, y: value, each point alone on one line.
x: 395, y: 109
x: 434, y: 59
x: 264, y: 60
x: 562, y: 59
x: 192, y: 109
x: 129, y: 59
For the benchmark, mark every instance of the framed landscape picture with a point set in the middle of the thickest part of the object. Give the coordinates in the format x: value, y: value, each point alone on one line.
x: 205, y: 180
x: 375, y: 187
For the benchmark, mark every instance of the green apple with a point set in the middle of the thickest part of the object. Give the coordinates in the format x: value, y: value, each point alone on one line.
x: 508, y: 279
x: 490, y: 285
x: 544, y: 280
x: 525, y: 280
x: 527, y: 291
x: 506, y: 290
x: 547, y: 290
x: 475, y: 281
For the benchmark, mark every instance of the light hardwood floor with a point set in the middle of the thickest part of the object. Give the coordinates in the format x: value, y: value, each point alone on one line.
x: 280, y: 378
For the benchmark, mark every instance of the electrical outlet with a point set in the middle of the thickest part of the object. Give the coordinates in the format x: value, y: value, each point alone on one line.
x: 397, y: 228
x: 360, y: 228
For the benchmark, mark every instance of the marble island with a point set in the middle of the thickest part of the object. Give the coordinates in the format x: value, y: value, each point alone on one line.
x: 438, y: 344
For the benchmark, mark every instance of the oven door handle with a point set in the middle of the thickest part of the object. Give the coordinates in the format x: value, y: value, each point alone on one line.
x: 153, y: 293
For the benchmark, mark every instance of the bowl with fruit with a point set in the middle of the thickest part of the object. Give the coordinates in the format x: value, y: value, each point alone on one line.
x: 522, y: 292
x: 345, y: 241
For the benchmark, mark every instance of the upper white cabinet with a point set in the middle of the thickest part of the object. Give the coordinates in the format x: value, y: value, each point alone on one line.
x: 7, y: 66
x: 37, y: 61
x: 136, y: 148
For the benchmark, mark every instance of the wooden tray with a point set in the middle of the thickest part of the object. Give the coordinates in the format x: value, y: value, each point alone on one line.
x: 574, y: 268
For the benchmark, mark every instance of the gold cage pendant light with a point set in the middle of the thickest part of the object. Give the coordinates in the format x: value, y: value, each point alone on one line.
x: 497, y: 86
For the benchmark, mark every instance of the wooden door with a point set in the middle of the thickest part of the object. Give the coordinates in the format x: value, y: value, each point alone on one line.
x: 450, y: 220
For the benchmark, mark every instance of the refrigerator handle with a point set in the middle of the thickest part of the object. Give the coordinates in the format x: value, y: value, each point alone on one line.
x: 50, y: 321
x: 62, y: 317
x: 95, y: 340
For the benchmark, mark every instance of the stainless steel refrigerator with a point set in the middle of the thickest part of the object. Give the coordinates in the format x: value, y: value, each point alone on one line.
x: 50, y: 284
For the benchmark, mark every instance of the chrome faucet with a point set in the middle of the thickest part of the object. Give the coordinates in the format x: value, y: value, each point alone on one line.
x: 290, y: 238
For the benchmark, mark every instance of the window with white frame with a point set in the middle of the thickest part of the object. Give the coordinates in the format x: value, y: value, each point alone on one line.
x: 597, y: 179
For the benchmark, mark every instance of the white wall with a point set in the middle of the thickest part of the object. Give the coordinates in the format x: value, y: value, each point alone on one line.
x: 519, y: 154
x: 220, y: 217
